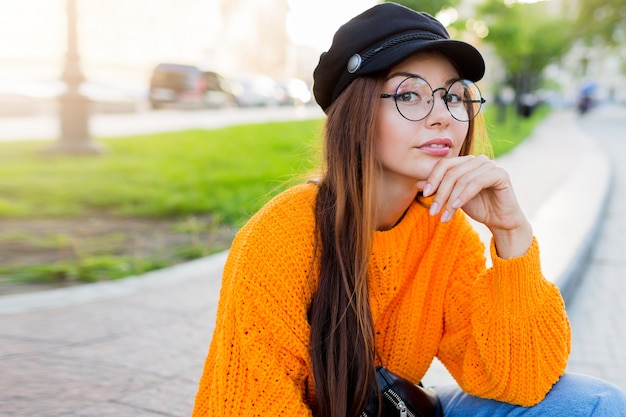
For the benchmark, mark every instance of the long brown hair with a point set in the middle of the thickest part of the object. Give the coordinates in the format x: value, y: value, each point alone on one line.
x: 342, y: 343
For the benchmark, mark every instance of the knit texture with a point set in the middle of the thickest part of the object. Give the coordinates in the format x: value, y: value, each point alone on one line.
x: 502, y: 332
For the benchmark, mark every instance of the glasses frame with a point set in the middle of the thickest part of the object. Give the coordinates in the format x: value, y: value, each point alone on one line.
x: 432, y: 105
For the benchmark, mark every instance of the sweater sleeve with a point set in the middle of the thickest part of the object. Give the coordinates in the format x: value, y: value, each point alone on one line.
x: 506, y: 333
x: 258, y: 359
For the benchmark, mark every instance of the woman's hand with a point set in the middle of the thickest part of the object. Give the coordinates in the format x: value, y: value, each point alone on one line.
x: 484, y: 191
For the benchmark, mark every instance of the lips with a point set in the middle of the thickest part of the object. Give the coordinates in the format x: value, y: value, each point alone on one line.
x: 437, y: 147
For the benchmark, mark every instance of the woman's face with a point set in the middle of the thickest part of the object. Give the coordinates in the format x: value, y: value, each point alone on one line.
x: 409, y: 150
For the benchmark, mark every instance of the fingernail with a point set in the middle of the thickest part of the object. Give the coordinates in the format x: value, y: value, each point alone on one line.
x: 456, y: 203
x: 445, y: 216
x: 434, y: 209
x: 427, y: 190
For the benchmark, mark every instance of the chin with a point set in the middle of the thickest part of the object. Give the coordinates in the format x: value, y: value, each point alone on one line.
x: 425, y: 169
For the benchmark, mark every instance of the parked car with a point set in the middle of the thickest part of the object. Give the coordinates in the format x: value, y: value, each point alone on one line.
x: 187, y: 86
x: 218, y: 91
x: 256, y: 90
x: 176, y: 84
x: 294, y: 92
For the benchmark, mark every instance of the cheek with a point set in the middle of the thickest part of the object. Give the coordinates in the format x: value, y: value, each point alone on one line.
x: 384, y: 146
x: 393, y: 137
x: 385, y: 132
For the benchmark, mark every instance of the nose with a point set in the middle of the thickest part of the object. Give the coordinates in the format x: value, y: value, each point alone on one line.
x: 439, y: 111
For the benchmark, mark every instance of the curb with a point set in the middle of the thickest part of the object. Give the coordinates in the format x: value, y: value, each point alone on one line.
x: 101, y: 291
x: 567, y: 224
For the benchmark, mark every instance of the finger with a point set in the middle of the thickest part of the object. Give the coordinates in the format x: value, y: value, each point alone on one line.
x: 486, y: 175
x: 431, y: 185
x: 485, y: 195
x: 449, y: 180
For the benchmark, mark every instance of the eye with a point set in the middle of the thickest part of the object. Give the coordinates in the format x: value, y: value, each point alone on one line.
x: 452, y: 98
x: 409, y: 97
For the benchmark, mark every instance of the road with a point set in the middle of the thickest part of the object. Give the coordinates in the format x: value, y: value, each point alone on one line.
x: 46, y: 126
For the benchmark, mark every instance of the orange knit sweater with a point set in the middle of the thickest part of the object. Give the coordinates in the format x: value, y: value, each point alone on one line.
x: 502, y: 332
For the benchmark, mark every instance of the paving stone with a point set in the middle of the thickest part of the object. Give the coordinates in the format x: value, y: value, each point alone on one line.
x: 598, y: 309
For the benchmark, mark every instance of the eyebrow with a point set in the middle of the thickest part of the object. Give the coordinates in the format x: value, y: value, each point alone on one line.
x: 411, y: 74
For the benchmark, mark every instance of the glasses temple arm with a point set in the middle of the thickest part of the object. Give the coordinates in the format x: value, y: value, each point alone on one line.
x: 481, y: 101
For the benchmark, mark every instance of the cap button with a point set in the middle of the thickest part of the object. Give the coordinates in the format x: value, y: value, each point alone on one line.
x: 354, y: 63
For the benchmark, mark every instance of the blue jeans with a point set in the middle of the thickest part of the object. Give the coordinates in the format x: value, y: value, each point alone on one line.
x: 573, y: 395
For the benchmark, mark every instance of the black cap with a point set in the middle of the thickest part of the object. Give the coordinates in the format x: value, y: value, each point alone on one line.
x: 380, y: 38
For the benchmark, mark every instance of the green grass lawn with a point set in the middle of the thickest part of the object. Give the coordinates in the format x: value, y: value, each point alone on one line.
x: 506, y: 135
x: 226, y: 173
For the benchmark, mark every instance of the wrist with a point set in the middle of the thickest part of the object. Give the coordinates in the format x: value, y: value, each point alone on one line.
x: 513, y: 243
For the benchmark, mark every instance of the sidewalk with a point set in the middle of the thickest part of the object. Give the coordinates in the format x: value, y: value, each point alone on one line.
x: 136, y: 347
x: 597, y: 308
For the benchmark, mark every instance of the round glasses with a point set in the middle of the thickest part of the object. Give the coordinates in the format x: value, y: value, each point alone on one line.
x: 415, y: 99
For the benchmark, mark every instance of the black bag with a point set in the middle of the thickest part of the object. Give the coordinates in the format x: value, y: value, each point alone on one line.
x: 402, y: 398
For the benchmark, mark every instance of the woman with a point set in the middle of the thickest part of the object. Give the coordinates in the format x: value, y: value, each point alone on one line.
x: 374, y: 264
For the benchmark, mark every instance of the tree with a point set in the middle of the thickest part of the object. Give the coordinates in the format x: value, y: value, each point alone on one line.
x: 429, y: 6
x: 604, y: 20
x: 527, y: 37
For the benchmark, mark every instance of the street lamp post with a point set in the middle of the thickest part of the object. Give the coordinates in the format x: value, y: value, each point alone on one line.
x: 73, y: 106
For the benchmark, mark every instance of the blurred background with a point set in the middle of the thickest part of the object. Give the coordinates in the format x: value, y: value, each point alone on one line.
x: 138, y: 55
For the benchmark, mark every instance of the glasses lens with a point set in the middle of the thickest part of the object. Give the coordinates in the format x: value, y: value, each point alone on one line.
x: 464, y: 100
x: 414, y: 98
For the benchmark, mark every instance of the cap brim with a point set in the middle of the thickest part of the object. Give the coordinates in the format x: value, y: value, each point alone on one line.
x: 468, y: 61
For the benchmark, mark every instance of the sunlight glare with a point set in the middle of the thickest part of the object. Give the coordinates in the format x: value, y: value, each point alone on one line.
x: 313, y: 23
